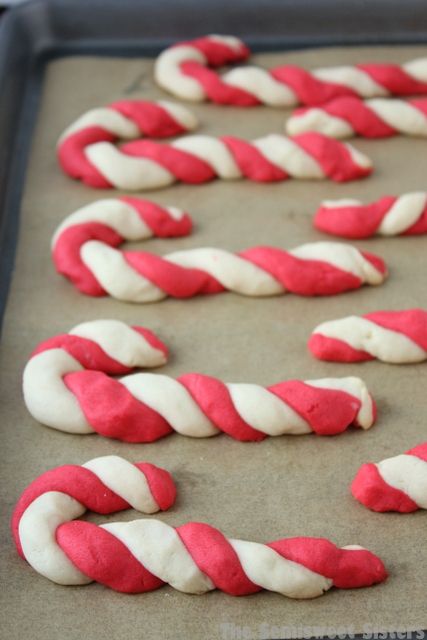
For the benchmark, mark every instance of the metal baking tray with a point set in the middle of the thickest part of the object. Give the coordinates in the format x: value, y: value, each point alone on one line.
x: 35, y: 32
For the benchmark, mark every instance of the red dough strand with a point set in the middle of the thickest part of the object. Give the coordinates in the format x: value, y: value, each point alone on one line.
x: 303, y: 277
x: 305, y: 401
x: 217, y: 90
x: 73, y: 160
x: 112, y: 411
x: 309, y: 89
x: 218, y: 53
x: 152, y: 119
x: 104, y: 559
x: 354, y: 568
x: 175, y: 281
x: 252, y: 163
x: 159, y: 218
x: 215, y: 556
x: 394, y: 78
x: 369, y: 488
x: 363, y: 120
x: 334, y: 350
x: 186, y: 167
x: 336, y: 161
x: 355, y: 221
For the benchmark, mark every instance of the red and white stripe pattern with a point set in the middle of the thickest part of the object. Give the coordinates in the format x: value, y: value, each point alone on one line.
x: 390, y: 336
x: 111, y: 222
x: 183, y: 70
x: 85, y: 251
x: 389, y: 216
x: 140, y: 556
x: 376, y: 118
x: 104, y: 485
x: 196, y: 159
x: 100, y: 345
x: 67, y: 387
x: 122, y: 120
x: 394, y: 484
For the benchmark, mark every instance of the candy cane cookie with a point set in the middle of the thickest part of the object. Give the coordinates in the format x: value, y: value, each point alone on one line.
x: 67, y: 386
x: 394, y: 484
x: 196, y: 159
x: 348, y: 117
x: 121, y: 120
x: 187, y: 71
x: 394, y: 337
x: 142, y: 555
x: 389, y: 216
x: 84, y: 250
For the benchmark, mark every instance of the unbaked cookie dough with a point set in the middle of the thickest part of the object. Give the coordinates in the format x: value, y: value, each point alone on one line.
x: 194, y: 159
x: 394, y: 484
x: 183, y: 70
x: 376, y: 118
x: 67, y: 386
x: 395, y: 337
x: 85, y: 250
x: 142, y: 555
x: 403, y: 215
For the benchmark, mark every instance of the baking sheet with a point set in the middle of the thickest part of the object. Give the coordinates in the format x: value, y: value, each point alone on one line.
x: 285, y: 486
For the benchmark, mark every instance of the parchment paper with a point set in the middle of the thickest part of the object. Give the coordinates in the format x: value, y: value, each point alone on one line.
x: 285, y: 486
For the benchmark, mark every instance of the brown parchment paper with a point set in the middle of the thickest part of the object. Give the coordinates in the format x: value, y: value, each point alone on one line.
x: 285, y: 486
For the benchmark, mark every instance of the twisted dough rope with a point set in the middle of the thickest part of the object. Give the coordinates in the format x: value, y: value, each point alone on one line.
x: 195, y: 159
x: 104, y: 485
x: 348, y: 117
x: 394, y: 484
x: 66, y: 387
x: 391, y: 336
x: 139, y: 556
x: 125, y: 119
x: 182, y: 70
x: 84, y: 250
x: 388, y: 216
x: 111, y: 221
